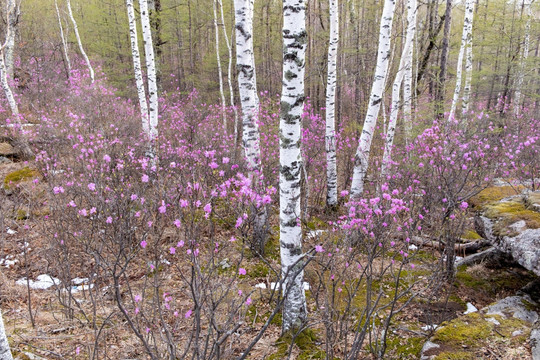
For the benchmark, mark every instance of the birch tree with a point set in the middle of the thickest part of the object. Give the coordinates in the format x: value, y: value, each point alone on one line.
x: 141, y: 92
x: 408, y: 71
x: 290, y: 126
x: 218, y: 57
x: 5, y: 352
x: 13, y: 19
x: 361, y: 159
x: 405, y: 64
x: 229, y: 70
x: 79, y: 42
x: 330, y: 138
x: 150, y: 72
x: 249, y: 100
x: 524, y: 55
x: 64, y: 41
x: 466, y: 40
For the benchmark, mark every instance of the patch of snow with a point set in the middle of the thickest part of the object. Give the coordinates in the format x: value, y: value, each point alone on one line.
x: 517, y: 333
x: 79, y: 281
x: 261, y: 286
x: 429, y: 327
x: 43, y: 281
x: 413, y: 247
x: 11, y: 231
x: 493, y: 320
x: 470, y: 309
x: 76, y: 289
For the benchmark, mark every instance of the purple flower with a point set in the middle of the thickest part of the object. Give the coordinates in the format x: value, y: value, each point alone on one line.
x: 188, y: 314
x: 319, y: 248
x: 109, y: 220
x: 177, y: 223
x: 143, y: 244
x: 107, y: 158
x: 242, y: 271
x: 172, y: 250
x: 92, y: 186
x: 144, y: 178
x: 248, y: 301
x: 163, y: 208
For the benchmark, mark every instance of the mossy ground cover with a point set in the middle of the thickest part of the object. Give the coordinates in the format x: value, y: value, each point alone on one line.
x: 510, y: 212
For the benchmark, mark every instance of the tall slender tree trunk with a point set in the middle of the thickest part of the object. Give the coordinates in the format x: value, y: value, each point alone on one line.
x: 466, y: 42
x: 5, y: 352
x: 468, y: 72
x: 64, y: 41
x: 13, y: 19
x: 150, y: 71
x: 81, y: 48
x: 154, y: 12
x: 220, y: 72
x: 524, y: 56
x: 141, y: 92
x: 361, y: 159
x: 408, y: 68
x: 290, y: 126
x: 229, y: 69
x: 249, y: 100
x: 441, y: 83
x: 405, y: 64
x: 330, y: 139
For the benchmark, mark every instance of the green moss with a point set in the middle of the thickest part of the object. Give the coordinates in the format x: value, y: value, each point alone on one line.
x: 510, y: 212
x: 467, y: 330
x: 405, y: 348
x: 19, y: 176
x: 471, y: 235
x: 494, y: 193
x: 258, y: 270
x: 315, y: 223
x: 305, y: 341
x: 455, y: 355
x: 501, y: 280
x: 271, y: 248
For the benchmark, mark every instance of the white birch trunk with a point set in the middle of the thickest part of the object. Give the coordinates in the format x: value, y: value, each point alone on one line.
x: 220, y: 72
x: 408, y: 71
x: 405, y: 64
x: 330, y: 138
x: 249, y: 101
x: 524, y: 56
x: 7, y: 89
x: 465, y: 38
x: 63, y: 38
x: 5, y: 352
x: 229, y: 70
x: 150, y: 71
x: 141, y: 92
x: 361, y: 159
x: 290, y: 126
x: 81, y: 49
x: 13, y: 19
x: 468, y: 76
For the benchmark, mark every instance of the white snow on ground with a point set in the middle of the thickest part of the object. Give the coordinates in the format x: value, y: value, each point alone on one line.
x: 43, y: 281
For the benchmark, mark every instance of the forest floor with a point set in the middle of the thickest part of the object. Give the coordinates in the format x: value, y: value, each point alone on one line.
x: 39, y: 327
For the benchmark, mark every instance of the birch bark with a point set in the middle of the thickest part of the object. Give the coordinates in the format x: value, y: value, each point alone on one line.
x: 330, y: 138
x: 408, y: 71
x: 150, y: 71
x: 5, y: 352
x: 524, y: 56
x: 141, y: 92
x: 218, y: 57
x: 465, y: 40
x: 81, y: 48
x: 64, y: 41
x: 290, y: 126
x: 361, y: 159
x: 229, y: 70
x: 13, y: 19
x: 249, y: 100
x: 405, y: 64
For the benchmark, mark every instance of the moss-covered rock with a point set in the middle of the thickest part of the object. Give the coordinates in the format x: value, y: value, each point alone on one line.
x: 19, y: 176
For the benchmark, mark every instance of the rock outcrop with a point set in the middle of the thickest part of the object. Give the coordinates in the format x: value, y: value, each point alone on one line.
x: 512, y: 225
